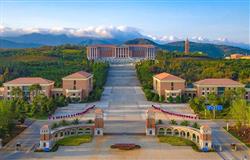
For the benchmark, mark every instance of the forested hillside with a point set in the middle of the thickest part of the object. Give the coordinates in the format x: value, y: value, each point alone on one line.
x: 50, y: 62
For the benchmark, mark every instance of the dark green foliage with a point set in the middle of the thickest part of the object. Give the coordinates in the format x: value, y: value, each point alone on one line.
x: 155, y: 98
x: 75, y: 121
x: 170, y: 99
x: 160, y: 121
x: 185, y: 123
x: 196, y: 125
x: 173, y: 122
x: 89, y: 121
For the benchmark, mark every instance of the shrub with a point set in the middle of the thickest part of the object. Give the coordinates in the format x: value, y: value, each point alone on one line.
x: 162, y: 98
x: 173, y: 122
x: 196, y: 125
x: 89, y: 121
x: 54, y: 125
x: 156, y: 98
x: 160, y: 121
x: 178, y: 99
x: 75, y: 121
x: 185, y: 123
x: 170, y: 99
x: 63, y: 123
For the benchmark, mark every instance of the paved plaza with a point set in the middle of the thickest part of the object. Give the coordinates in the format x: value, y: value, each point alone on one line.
x: 124, y: 106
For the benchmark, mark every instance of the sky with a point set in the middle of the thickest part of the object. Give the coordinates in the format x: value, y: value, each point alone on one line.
x: 212, y: 19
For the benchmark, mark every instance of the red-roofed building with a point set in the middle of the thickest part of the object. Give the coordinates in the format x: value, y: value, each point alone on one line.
x: 78, y: 85
x: 25, y: 82
x: 167, y: 85
x: 216, y: 85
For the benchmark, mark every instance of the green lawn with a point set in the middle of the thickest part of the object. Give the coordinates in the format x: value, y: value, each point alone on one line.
x: 75, y: 140
x: 177, y: 141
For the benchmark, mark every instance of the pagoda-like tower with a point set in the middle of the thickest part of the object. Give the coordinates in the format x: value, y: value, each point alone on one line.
x: 186, y: 46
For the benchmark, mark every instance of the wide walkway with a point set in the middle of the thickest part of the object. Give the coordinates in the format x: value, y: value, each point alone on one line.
x: 125, y: 102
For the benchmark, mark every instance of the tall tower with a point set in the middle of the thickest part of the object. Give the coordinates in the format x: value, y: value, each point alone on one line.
x: 45, y: 138
x: 187, y: 46
x: 99, y: 123
x: 205, y: 138
x: 150, y: 123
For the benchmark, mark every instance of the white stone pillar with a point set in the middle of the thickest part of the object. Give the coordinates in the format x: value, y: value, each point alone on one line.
x: 90, y: 53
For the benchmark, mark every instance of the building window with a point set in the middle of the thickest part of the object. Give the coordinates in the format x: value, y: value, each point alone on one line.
x: 172, y: 85
x: 8, y: 88
x: 74, y: 87
x: 74, y: 82
x: 203, y: 93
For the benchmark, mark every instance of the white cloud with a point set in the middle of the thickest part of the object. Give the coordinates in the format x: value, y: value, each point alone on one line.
x: 100, y: 31
x: 119, y: 32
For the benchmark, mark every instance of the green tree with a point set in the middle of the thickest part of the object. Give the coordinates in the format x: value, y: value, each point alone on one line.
x: 7, y: 118
x: 240, y: 112
x: 34, y: 90
x: 16, y: 93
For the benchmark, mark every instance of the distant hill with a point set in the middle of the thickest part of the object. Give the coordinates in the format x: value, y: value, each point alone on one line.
x: 212, y: 50
x: 38, y: 39
x: 44, y: 39
x: 141, y: 41
x: 10, y: 44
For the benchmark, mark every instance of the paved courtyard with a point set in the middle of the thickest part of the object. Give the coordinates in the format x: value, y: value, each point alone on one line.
x: 99, y: 149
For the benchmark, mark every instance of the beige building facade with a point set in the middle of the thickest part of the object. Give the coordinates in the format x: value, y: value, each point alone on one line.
x: 167, y: 85
x: 216, y: 85
x: 24, y: 84
x: 76, y: 86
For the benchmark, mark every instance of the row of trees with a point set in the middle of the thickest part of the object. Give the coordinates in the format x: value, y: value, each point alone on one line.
x: 229, y: 100
x: 18, y: 108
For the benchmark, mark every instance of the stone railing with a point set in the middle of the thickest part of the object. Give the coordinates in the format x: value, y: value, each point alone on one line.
x: 73, y: 115
x: 185, y: 116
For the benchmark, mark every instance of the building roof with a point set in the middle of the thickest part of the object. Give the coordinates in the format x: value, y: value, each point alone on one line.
x: 29, y: 81
x: 102, y: 45
x: 217, y: 81
x: 167, y: 76
x: 123, y: 45
x: 141, y: 45
x: 80, y: 74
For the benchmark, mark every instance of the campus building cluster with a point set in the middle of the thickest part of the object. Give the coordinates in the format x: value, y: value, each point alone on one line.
x: 238, y: 56
x: 168, y: 85
x: 76, y: 86
x: 141, y: 51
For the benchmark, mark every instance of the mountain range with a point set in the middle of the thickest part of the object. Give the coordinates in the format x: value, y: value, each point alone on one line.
x: 34, y: 40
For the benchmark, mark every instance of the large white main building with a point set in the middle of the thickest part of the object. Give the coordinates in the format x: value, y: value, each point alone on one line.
x: 122, y: 51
